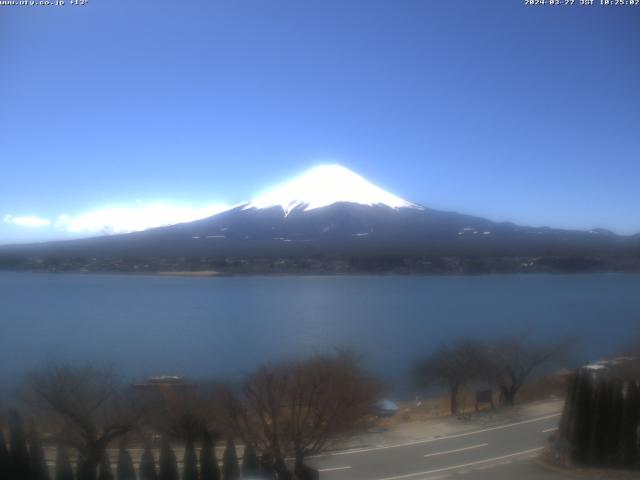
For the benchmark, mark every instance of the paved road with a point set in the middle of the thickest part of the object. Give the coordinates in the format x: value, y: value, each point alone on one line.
x: 498, y: 452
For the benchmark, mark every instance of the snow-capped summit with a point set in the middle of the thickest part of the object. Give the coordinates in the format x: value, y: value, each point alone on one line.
x: 325, y: 185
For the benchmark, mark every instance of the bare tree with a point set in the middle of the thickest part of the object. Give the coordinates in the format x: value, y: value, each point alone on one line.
x: 331, y: 396
x: 87, y: 408
x: 452, y: 366
x: 302, y: 408
x: 511, y: 360
x: 186, y: 412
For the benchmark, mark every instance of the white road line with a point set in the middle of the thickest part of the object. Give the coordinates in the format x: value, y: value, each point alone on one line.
x: 333, y: 469
x: 456, y: 450
x: 437, y: 439
x: 547, y: 430
x: 464, y: 465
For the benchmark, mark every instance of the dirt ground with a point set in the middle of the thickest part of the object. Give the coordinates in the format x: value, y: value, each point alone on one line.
x: 547, y: 388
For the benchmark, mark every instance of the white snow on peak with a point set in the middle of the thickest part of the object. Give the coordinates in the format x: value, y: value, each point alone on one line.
x: 325, y: 185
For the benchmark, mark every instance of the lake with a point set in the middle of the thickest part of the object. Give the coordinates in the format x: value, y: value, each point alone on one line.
x: 223, y: 327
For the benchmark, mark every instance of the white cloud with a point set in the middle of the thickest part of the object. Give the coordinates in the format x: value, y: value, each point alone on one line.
x: 31, y: 221
x: 125, y: 219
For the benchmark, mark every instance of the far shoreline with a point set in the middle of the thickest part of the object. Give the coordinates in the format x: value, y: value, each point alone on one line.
x: 204, y: 274
x: 188, y: 273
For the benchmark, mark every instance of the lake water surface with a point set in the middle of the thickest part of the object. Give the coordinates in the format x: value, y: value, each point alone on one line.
x: 224, y: 326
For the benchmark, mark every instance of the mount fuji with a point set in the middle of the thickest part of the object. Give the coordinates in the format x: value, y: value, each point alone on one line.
x: 326, y: 185
x: 331, y: 219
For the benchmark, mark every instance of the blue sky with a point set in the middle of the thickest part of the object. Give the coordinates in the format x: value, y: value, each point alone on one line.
x: 529, y: 114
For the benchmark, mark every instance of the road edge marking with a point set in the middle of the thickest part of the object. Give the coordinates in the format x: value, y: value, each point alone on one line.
x: 333, y: 469
x: 456, y: 450
x: 464, y: 465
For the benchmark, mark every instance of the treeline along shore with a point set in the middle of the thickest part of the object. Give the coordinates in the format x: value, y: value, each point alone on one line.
x: 323, y: 264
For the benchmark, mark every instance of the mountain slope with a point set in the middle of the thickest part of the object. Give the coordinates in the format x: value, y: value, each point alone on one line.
x: 330, y: 211
x: 340, y: 228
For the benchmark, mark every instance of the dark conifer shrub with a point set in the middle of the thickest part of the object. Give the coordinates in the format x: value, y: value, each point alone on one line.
x: 4, y: 456
x: 601, y: 416
x: 266, y: 466
x: 19, y: 458
x: 282, y: 472
x: 250, y: 463
x: 148, y: 465
x: 168, y: 463
x: 39, y: 469
x: 209, y: 469
x: 80, y: 466
x: 613, y: 453
x: 567, y: 422
x: 304, y: 472
x: 601, y: 420
x: 630, y: 424
x: 125, y: 470
x: 189, y: 462
x: 230, y: 467
x: 104, y: 469
x: 581, y: 434
x: 63, y: 470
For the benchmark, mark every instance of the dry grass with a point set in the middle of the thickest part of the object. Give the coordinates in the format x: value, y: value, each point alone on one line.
x: 432, y: 408
x: 545, y: 388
